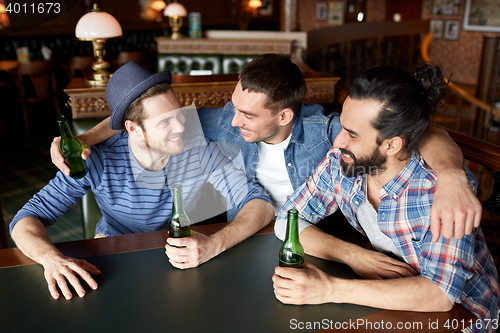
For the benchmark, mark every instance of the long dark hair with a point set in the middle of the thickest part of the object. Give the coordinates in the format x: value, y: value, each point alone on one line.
x: 407, y: 100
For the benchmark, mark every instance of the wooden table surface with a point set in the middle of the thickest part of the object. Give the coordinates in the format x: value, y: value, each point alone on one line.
x: 8, y: 65
x: 381, y: 321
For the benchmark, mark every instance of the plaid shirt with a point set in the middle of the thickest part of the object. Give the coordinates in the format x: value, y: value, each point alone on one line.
x: 463, y: 269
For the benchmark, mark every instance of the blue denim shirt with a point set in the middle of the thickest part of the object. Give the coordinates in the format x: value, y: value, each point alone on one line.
x: 313, y: 134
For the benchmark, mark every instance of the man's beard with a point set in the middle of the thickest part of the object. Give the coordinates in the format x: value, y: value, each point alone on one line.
x: 161, y: 148
x: 373, y: 165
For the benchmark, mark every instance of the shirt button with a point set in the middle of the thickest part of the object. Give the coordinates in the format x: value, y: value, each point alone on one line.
x: 394, y: 197
x: 251, y: 178
x: 356, y: 202
x: 289, y: 164
x: 254, y: 153
x: 383, y: 215
x: 230, y: 158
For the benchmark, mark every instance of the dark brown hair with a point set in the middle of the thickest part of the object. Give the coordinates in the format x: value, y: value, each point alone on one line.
x: 277, y: 77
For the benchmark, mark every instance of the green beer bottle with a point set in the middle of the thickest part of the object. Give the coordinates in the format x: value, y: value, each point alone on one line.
x: 178, y: 225
x: 71, y: 149
x: 291, y: 252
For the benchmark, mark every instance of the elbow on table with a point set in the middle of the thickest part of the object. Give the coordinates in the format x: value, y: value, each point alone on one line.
x: 265, y: 210
x: 446, y: 306
x: 432, y: 306
x: 440, y: 304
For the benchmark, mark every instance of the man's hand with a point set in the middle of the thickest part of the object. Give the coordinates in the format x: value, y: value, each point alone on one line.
x: 376, y: 265
x: 189, y: 252
x: 60, y: 270
x: 456, y: 210
x: 303, y: 286
x: 58, y: 158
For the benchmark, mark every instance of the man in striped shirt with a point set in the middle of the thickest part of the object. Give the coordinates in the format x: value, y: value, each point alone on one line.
x: 131, y: 175
x: 376, y: 177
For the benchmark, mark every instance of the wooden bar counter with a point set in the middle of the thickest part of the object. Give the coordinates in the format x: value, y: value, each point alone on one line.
x: 211, y: 91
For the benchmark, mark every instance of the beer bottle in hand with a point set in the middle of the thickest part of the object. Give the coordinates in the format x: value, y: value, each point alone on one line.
x: 71, y: 149
x: 291, y: 252
x: 179, y: 225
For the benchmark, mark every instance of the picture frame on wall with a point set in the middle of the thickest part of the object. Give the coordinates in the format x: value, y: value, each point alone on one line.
x: 451, y: 29
x: 482, y: 15
x: 446, y: 7
x: 335, y: 13
x: 321, y: 11
x: 267, y: 8
x: 436, y: 28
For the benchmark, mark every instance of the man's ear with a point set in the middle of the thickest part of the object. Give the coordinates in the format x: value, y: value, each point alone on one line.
x: 394, y: 145
x: 286, y: 116
x: 133, y: 128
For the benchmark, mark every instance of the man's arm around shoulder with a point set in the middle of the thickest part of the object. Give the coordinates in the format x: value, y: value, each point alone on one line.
x: 95, y: 135
x: 456, y: 210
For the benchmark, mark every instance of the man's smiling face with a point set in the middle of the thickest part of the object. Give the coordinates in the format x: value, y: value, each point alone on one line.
x: 358, y: 138
x: 256, y: 122
x: 164, y: 123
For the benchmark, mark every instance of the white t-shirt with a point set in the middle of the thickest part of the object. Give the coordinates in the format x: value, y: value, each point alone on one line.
x: 271, y: 172
x: 367, y: 217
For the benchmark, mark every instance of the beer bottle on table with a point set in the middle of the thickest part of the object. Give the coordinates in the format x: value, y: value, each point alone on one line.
x: 71, y: 149
x: 178, y: 225
x: 291, y: 252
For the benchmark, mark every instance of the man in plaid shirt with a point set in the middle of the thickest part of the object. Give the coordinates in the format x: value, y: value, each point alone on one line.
x: 385, y: 190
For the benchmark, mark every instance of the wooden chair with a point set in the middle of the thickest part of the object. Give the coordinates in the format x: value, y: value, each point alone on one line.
x: 8, y: 95
x: 81, y: 66
x: 3, y: 232
x: 37, y: 85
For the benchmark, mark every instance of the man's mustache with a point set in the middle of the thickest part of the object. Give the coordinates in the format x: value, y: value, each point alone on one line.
x: 348, y: 153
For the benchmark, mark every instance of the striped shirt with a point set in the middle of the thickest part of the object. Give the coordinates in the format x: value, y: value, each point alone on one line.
x: 134, y: 200
x: 463, y: 269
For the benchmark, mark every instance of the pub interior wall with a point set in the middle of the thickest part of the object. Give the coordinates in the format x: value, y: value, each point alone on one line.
x: 461, y: 57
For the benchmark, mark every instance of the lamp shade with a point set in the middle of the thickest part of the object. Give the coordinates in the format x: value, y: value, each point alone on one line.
x: 255, y: 3
x: 2, y: 9
x: 175, y: 9
x: 158, y: 5
x: 97, y: 25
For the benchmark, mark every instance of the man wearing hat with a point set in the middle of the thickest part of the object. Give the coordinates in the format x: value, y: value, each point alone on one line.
x: 131, y: 174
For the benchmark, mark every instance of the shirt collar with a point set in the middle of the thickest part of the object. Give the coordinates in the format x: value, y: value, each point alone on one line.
x: 297, y: 129
x: 395, y: 187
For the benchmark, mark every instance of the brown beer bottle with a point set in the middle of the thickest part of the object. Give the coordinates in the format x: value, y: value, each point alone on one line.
x: 179, y: 224
x: 291, y: 252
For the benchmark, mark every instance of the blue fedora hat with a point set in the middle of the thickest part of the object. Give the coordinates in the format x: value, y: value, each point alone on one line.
x: 125, y: 85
